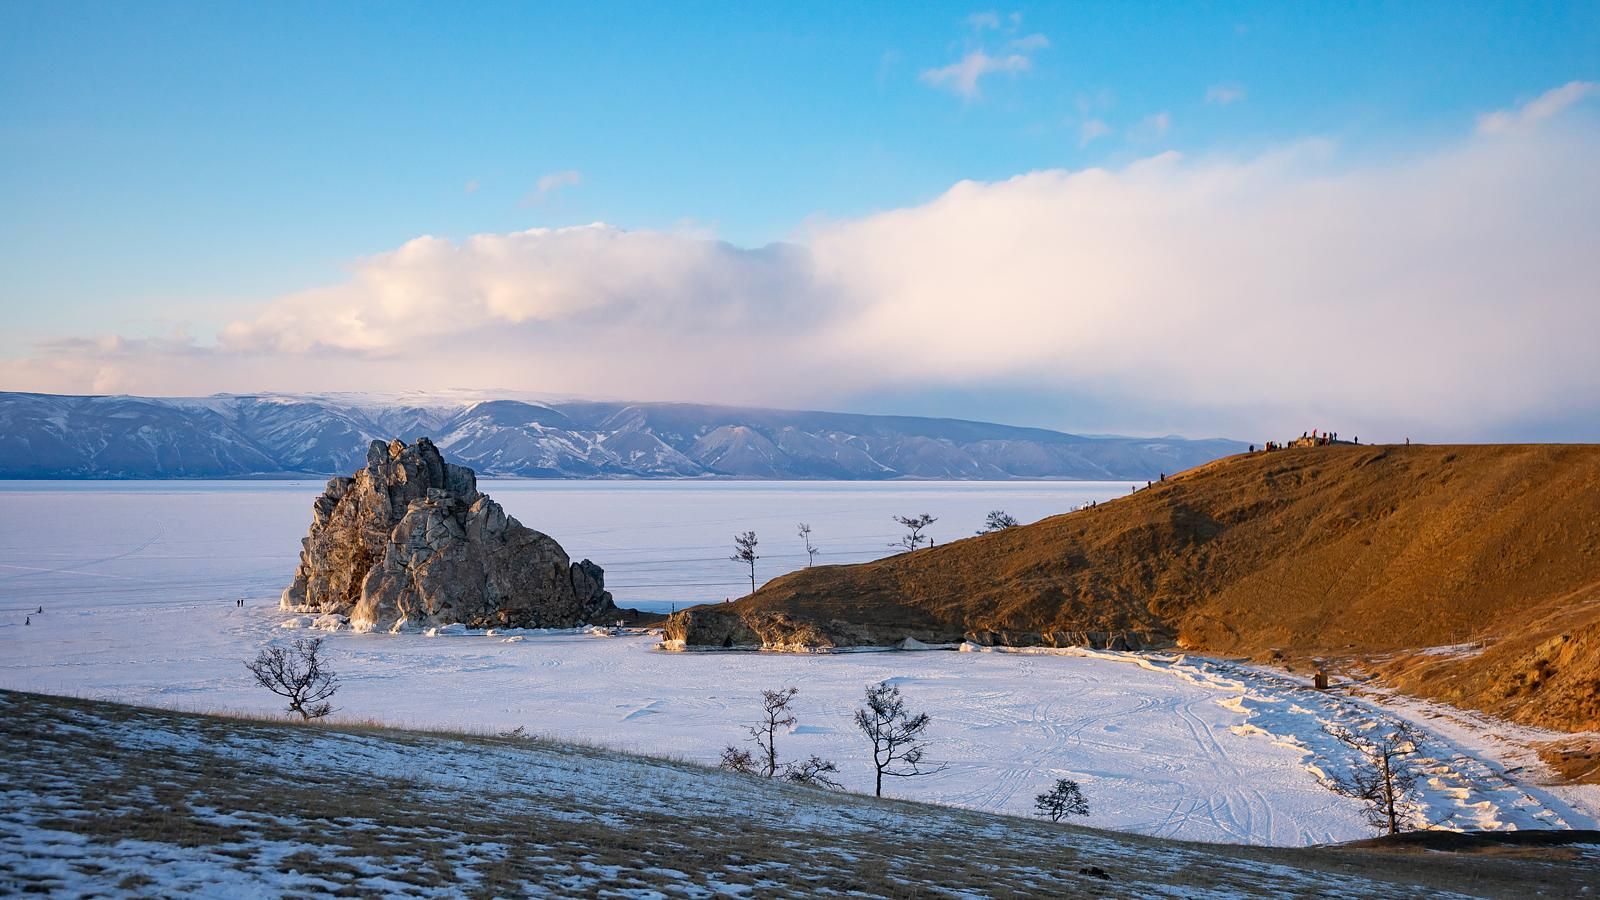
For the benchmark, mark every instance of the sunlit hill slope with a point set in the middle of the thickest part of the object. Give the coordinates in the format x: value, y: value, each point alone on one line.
x: 1350, y: 552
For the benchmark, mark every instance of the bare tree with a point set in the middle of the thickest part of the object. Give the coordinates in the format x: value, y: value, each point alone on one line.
x: 896, y: 734
x: 1065, y: 799
x: 998, y: 520
x: 297, y: 673
x: 744, y: 550
x: 1386, y: 774
x: 776, y: 714
x: 814, y: 771
x: 914, y: 537
x: 811, y: 549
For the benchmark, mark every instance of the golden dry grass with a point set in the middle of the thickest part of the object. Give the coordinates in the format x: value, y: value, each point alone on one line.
x: 1338, y: 551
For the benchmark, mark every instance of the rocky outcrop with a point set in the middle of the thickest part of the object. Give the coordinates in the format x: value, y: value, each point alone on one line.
x: 409, y: 541
x: 726, y: 627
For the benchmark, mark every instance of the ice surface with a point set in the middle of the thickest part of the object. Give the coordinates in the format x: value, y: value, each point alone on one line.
x: 139, y: 582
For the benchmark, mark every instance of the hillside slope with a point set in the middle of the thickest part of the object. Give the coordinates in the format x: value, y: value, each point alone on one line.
x: 110, y: 800
x: 1341, y: 551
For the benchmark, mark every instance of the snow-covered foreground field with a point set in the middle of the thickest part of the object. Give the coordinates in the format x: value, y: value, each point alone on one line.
x: 165, y: 804
x: 138, y: 592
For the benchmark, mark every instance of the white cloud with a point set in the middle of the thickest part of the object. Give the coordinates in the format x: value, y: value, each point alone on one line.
x: 961, y: 77
x: 1445, y: 294
x: 1091, y: 130
x: 1538, y: 109
x: 550, y: 183
x: 1151, y: 128
x: 1224, y: 94
x: 471, y: 187
x: 980, y: 21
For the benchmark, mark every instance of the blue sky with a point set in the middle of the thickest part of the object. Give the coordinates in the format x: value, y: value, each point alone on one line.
x: 176, y: 166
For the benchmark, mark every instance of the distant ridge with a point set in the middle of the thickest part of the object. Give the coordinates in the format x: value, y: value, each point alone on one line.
x: 242, y: 435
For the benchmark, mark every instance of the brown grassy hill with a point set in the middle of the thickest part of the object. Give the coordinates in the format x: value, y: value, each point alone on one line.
x: 1340, y: 551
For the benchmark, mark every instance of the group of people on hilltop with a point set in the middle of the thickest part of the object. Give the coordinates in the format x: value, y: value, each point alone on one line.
x: 1313, y: 438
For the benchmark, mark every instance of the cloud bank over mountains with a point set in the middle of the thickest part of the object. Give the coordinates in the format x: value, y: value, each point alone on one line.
x: 1451, y: 292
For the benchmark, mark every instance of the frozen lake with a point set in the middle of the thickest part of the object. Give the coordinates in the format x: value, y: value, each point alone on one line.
x: 662, y: 543
x: 137, y: 581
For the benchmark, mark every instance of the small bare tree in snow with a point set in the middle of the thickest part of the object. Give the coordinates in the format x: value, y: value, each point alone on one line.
x: 998, y: 520
x: 811, y: 549
x: 297, y: 673
x: 1065, y: 799
x: 776, y: 714
x: 896, y: 734
x: 1385, y: 776
x: 744, y: 550
x: 914, y: 537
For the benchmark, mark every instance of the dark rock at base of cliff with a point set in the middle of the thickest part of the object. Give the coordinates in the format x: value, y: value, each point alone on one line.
x: 723, y: 626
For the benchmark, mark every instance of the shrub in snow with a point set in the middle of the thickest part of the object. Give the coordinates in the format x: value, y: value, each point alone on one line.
x: 1065, y: 799
x: 813, y: 771
x: 738, y: 759
x: 297, y: 673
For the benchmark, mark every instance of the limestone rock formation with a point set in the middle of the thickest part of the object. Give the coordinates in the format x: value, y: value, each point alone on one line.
x: 409, y: 541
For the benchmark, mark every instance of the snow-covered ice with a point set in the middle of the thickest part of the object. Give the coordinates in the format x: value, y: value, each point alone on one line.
x: 138, y: 583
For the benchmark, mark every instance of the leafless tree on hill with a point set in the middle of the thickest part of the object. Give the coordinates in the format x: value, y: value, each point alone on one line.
x: 1386, y: 775
x: 811, y: 549
x: 297, y: 673
x: 744, y: 550
x: 914, y: 537
x: 896, y: 734
x: 998, y: 520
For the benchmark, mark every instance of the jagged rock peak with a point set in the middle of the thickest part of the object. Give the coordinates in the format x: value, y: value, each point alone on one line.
x: 410, y: 542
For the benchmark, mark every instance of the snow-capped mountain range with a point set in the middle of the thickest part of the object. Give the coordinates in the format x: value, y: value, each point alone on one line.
x: 234, y: 435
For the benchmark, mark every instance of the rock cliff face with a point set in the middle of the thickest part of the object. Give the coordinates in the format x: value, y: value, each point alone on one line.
x: 410, y: 542
x: 722, y: 626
